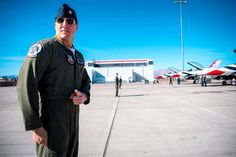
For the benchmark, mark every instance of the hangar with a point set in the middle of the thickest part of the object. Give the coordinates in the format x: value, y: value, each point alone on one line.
x: 132, y: 70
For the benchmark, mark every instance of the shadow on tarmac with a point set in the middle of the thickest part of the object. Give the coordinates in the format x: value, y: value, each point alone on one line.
x: 133, y: 95
x: 200, y: 92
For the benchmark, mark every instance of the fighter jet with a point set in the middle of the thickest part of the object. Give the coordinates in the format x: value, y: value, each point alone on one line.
x: 177, y: 73
x: 201, y: 70
x: 225, y: 73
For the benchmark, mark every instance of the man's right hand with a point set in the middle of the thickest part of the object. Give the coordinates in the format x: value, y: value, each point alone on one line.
x: 40, y: 136
x: 78, y: 97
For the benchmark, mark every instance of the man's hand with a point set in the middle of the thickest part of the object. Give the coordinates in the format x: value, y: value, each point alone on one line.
x: 40, y: 136
x: 78, y: 97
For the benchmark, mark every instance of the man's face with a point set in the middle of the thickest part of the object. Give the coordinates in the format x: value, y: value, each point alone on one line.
x: 65, y: 28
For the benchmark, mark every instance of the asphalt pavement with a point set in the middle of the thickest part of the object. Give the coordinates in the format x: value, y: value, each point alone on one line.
x: 146, y: 120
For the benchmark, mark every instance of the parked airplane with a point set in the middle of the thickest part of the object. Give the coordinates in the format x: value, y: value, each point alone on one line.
x: 201, y: 70
x: 174, y: 73
x: 225, y: 73
x: 177, y: 73
x: 159, y: 74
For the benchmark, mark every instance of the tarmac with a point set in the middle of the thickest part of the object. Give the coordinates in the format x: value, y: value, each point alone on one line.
x: 146, y: 120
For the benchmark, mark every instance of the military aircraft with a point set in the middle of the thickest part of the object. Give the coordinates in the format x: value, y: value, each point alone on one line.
x: 201, y: 70
x: 160, y: 74
x: 226, y: 73
x: 174, y: 73
x: 177, y: 73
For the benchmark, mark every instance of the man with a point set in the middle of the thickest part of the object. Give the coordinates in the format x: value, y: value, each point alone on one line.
x: 117, y: 84
x: 170, y: 81
x: 52, y: 85
x: 205, y: 80
x: 120, y: 82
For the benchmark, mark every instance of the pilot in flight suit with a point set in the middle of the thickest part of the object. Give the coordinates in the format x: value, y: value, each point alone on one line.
x: 46, y: 86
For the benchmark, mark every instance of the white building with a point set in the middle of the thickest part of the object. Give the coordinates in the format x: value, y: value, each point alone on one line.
x: 134, y: 70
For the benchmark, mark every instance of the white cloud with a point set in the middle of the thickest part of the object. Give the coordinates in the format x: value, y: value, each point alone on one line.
x: 13, y: 58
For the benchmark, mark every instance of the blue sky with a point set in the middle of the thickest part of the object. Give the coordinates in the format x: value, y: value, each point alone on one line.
x: 124, y: 29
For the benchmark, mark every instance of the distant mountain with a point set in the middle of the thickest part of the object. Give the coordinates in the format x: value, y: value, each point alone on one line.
x: 160, y: 72
x: 10, y: 80
x: 9, y: 76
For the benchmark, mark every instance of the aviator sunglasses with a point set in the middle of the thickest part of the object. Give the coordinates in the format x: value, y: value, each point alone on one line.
x: 60, y: 20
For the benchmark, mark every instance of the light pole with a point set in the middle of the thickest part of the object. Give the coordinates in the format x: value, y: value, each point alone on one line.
x: 181, y: 2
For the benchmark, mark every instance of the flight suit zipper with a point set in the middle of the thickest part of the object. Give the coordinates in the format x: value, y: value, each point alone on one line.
x: 75, y: 59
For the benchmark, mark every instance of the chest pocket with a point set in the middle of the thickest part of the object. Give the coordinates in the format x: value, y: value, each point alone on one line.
x: 79, y: 68
x: 80, y: 64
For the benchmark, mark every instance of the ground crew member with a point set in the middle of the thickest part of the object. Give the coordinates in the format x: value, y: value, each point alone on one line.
x: 120, y: 82
x: 170, y: 81
x: 204, y: 80
x: 178, y: 80
x: 117, y: 84
x: 52, y: 84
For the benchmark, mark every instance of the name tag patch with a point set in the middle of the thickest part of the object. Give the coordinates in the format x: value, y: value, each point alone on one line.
x: 80, y: 61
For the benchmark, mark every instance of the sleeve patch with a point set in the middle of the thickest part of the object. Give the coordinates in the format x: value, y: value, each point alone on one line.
x: 34, y: 50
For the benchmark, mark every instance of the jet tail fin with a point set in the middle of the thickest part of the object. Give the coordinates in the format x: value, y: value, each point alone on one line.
x: 215, y: 64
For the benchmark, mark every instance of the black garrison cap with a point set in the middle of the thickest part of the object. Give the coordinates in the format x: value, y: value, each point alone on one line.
x: 66, y: 11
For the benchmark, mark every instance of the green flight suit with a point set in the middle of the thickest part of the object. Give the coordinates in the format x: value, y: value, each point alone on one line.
x: 49, y: 75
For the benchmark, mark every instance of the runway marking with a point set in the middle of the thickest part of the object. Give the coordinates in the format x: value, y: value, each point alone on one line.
x: 112, y: 124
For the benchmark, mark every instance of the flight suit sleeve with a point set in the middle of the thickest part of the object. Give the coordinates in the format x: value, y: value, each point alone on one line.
x: 86, y: 85
x: 30, y: 75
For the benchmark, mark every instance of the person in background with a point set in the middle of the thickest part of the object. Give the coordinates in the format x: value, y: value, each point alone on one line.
x: 204, y: 80
x: 52, y: 85
x: 170, y: 81
x: 117, y: 84
x: 178, y: 80
x: 120, y: 82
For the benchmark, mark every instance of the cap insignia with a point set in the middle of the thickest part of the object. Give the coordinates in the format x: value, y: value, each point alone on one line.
x: 70, y: 12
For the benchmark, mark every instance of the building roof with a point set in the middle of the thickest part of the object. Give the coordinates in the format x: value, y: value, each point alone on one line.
x: 121, y: 61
